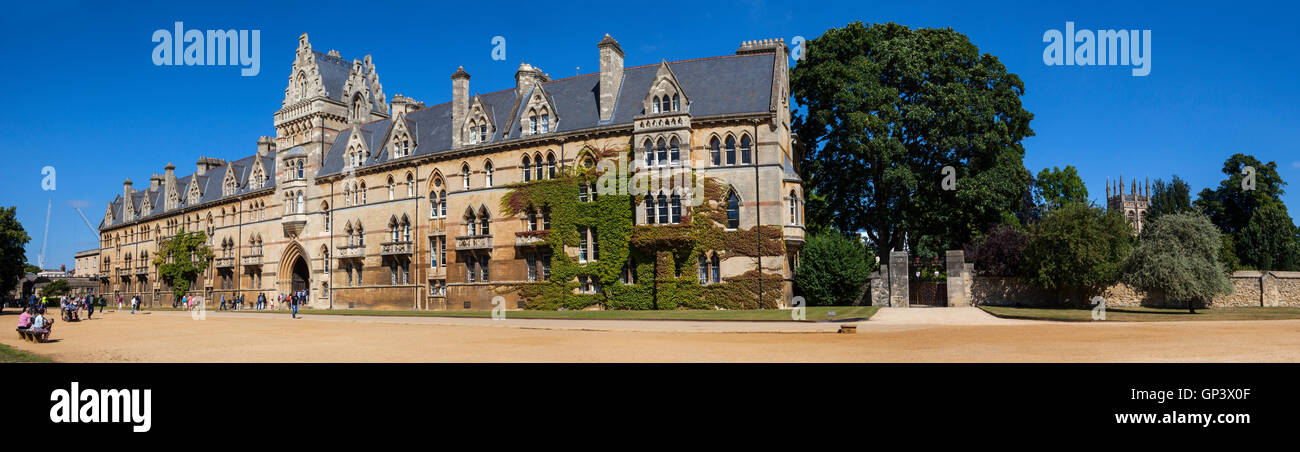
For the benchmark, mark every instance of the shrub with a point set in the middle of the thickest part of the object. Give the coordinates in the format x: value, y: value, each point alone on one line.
x: 1077, y: 247
x: 999, y: 252
x: 1179, y: 255
x: 833, y: 270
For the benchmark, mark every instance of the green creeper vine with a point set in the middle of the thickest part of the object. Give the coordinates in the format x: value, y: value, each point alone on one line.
x: 665, y: 256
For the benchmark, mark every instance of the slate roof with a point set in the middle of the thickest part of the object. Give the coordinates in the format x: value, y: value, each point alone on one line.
x: 209, y: 185
x: 715, y: 86
x: 733, y: 84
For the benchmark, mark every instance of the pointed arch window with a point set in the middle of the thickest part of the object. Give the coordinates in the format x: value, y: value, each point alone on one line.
x: 410, y: 185
x: 662, y: 152
x: 663, y: 209
x: 392, y: 189
x: 674, y: 151
x: 537, y: 168
x: 654, y: 105
x: 649, y: 153
x: 665, y: 108
x: 744, y: 149
x: 733, y: 211
x: 677, y: 103
x: 526, y: 165
x: 464, y: 174
x: 731, y: 150
x: 301, y: 174
x: 487, y: 171
x: 675, y: 208
x: 484, y: 221
x: 649, y: 209
x: 715, y: 151
x: 550, y: 165
x: 546, y: 122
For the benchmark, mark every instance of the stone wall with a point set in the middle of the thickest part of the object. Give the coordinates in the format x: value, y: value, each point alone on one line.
x: 1250, y: 288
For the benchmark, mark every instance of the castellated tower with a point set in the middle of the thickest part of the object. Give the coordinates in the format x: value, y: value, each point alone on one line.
x: 1133, y: 204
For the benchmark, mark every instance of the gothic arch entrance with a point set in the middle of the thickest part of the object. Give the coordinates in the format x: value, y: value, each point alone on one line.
x: 301, y: 276
x: 295, y: 272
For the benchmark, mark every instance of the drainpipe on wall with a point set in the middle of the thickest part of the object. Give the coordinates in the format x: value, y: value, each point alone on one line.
x: 758, y: 217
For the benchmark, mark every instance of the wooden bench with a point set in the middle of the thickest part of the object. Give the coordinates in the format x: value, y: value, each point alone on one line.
x: 850, y: 328
x: 36, y: 335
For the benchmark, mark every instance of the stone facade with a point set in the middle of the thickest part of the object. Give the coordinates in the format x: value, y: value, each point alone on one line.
x: 368, y: 205
x: 87, y: 264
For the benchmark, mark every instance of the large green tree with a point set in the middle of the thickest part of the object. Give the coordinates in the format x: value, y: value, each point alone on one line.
x: 1254, y: 214
x: 1055, y: 187
x: 1077, y: 248
x: 13, y: 240
x: 1169, y: 197
x: 181, y: 259
x: 1179, y: 256
x: 887, y: 108
x: 833, y: 269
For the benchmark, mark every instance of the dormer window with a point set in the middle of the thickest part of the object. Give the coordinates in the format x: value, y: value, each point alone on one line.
x: 546, y: 123
x: 482, y: 133
x: 473, y: 135
x: 655, y: 104
x: 532, y: 124
x: 677, y: 103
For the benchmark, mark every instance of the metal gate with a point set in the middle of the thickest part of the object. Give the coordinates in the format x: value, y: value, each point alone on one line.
x: 924, y: 287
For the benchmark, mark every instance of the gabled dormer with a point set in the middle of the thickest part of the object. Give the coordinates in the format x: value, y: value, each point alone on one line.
x: 665, y: 94
x: 358, y: 152
x: 195, y: 194
x: 229, y: 183
x: 537, y: 113
x: 400, y: 140
x: 479, y: 124
x: 173, y: 197
x: 146, y: 204
x: 257, y: 175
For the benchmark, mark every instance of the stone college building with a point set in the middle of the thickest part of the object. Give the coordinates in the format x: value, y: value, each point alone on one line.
x: 664, y: 186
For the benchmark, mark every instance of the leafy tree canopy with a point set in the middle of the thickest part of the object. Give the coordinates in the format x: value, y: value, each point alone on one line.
x: 1179, y: 256
x: 13, y: 240
x: 1169, y: 197
x: 887, y: 109
x: 1077, y: 247
x: 1055, y: 187
x: 1261, y: 228
x: 1268, y: 242
x: 56, y: 288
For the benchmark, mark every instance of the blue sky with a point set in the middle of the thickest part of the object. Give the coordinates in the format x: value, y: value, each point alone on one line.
x: 85, y: 97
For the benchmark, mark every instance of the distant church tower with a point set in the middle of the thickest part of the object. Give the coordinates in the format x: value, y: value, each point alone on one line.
x: 1133, y: 204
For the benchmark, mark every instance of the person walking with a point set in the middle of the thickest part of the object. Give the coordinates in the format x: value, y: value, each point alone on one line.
x: 293, y: 304
x: 90, y: 307
x: 222, y: 307
x: 119, y: 303
x: 133, y: 304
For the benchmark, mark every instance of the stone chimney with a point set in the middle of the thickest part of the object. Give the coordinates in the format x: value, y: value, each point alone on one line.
x: 265, y: 146
x: 404, y: 105
x: 527, y: 77
x: 611, y: 75
x: 155, y: 181
x: 459, y: 104
x: 206, y: 163
x: 126, y: 189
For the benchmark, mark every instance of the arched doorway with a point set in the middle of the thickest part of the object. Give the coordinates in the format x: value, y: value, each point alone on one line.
x: 301, y: 277
x: 294, y: 270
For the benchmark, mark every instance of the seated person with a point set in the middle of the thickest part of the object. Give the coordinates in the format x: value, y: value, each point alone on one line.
x: 25, y: 319
x: 38, y: 324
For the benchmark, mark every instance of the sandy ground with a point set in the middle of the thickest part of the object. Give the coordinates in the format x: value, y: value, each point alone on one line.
x: 916, y: 335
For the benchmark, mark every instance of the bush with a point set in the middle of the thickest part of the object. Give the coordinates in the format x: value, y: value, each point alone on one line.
x: 1179, y: 255
x: 1077, y: 247
x: 999, y: 252
x: 833, y: 270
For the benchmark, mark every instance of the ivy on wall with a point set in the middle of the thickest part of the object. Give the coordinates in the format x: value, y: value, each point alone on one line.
x: 665, y: 256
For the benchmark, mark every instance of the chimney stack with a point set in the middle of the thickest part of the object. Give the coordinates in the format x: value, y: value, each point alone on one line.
x: 155, y: 181
x: 126, y: 189
x: 459, y: 104
x: 265, y: 145
x: 526, y: 77
x: 611, y: 75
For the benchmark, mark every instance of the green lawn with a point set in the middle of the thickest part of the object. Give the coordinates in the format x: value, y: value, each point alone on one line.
x: 814, y: 313
x: 1144, y: 314
x: 11, y: 355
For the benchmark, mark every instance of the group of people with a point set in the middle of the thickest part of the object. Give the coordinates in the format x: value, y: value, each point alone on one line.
x: 33, y: 320
x: 291, y: 301
x: 72, y: 307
